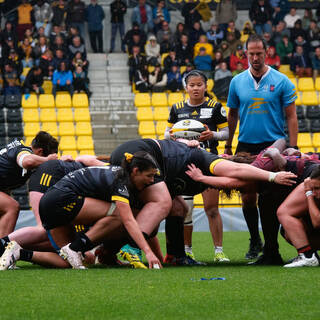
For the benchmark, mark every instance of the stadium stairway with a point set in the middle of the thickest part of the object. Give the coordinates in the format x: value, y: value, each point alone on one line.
x: 111, y: 105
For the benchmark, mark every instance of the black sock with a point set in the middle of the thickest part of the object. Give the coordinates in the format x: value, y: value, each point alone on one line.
x: 252, y: 219
x: 3, y: 243
x: 306, y: 250
x: 82, y: 243
x: 26, y: 255
x: 175, y: 236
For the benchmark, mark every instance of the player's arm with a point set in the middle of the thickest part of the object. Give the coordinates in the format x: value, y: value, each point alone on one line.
x: 279, y: 162
x: 313, y: 208
x: 292, y: 122
x: 134, y: 231
x: 27, y: 160
x: 90, y: 161
x: 167, y: 132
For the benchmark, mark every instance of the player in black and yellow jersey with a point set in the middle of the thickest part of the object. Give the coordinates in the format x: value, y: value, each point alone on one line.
x: 16, y: 164
x: 213, y: 115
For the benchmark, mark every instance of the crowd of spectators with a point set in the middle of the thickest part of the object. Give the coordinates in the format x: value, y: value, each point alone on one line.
x: 159, y: 55
x: 44, y: 40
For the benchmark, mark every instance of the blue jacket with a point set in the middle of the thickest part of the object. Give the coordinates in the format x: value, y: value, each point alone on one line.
x: 94, y: 17
x: 203, y: 63
x: 62, y: 76
x: 136, y: 17
x: 315, y: 63
x: 174, y: 76
x: 166, y: 14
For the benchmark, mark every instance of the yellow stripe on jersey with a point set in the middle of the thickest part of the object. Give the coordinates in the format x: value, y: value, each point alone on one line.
x: 222, y: 125
x: 23, y: 152
x: 48, y: 182
x: 213, y: 164
x: 119, y: 198
x: 45, y: 179
x: 42, y: 177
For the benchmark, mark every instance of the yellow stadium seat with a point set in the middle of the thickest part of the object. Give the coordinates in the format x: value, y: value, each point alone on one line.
x: 31, y: 129
x: 294, y: 81
x: 210, y: 84
x: 149, y: 136
x: 198, y: 201
x: 142, y: 100
x: 81, y: 114
x: 66, y: 129
x: 80, y: 100
x: 183, y: 69
x: 309, y: 98
x: 161, y: 127
x: 72, y: 153
x: 48, y: 115
x: 298, y: 100
x: 64, y: 115
x: 146, y: 128
x: 47, y: 86
x: 46, y: 101
x: 159, y: 99
x: 85, y: 143
x: 285, y: 68
x: 317, y: 84
x: 175, y: 97
x: 304, y: 139
x: 144, y: 114
x: 160, y: 137
x: 28, y: 140
x: 305, y: 84
x: 151, y: 68
x: 30, y: 102
x: 68, y: 143
x: 63, y: 100
x: 83, y: 129
x: 50, y: 127
x: 234, y: 201
x: 161, y: 113
x: 87, y: 152
x: 316, y: 139
x: 30, y: 115
x: 307, y: 149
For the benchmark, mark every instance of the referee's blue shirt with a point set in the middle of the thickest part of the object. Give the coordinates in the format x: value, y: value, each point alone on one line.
x: 261, y: 106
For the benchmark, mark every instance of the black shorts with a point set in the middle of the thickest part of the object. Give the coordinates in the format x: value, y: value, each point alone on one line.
x: 58, y: 208
x: 253, y: 148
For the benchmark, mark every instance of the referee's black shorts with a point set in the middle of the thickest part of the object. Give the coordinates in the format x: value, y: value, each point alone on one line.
x: 253, y: 148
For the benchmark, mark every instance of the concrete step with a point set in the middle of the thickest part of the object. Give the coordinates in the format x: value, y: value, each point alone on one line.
x: 103, y: 146
x: 112, y: 118
x: 112, y: 131
x: 123, y: 104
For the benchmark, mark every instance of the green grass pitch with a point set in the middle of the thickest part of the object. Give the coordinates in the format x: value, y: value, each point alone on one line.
x: 248, y: 292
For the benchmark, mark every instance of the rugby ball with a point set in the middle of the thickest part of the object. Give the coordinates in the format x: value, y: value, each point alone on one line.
x: 188, y: 129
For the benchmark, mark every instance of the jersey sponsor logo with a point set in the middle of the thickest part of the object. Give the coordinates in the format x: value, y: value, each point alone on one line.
x: 123, y: 190
x: 183, y: 115
x: 205, y: 113
x: 194, y: 113
x: 258, y: 102
x: 2, y: 151
x: 45, y: 179
x: 223, y: 112
x: 272, y: 86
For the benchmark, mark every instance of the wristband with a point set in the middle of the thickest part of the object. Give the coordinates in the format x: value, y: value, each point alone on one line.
x: 227, y: 146
x: 309, y: 193
x: 272, y: 176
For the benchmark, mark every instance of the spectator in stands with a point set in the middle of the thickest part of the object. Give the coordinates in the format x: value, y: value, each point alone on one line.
x: 158, y: 79
x: 190, y: 14
x: 55, y: 32
x: 76, y: 15
x: 59, y: 43
x: 141, y: 78
x: 285, y: 50
x: 159, y: 14
x: 280, y: 9
x: 300, y: 63
x: 232, y: 29
x: 59, y: 10
x: 39, y: 33
x: 268, y: 39
x: 291, y: 18
x: 180, y: 30
x: 297, y: 30
x: 94, y: 16
x: 165, y: 44
x: 280, y: 31
x: 39, y: 49
x: 153, y: 51
x: 80, y: 81
x: 306, y: 19
x: 195, y: 33
x: 203, y: 62
x: 316, y: 63
x: 164, y: 30
x: 9, y: 45
x: 59, y: 57
x: 62, y: 79
x: 29, y: 34
x: 226, y: 51
x: 300, y: 41
x: 246, y: 31
x: 238, y: 56
x: 218, y: 58
x: 128, y: 38
x: 174, y: 81
x: 203, y: 43
x: 313, y: 35
x: 222, y: 72
x: 136, y: 59
x: 43, y: 15
x: 26, y: 54
x: 225, y: 12
x: 184, y: 50
x: 11, y: 80
x: 33, y: 81
x: 189, y: 67
x: 238, y: 70
x: 79, y: 61
x: 142, y: 14
x: 215, y: 35
x: 25, y: 18
x: 73, y: 32
x: 170, y: 59
x: 15, y: 61
x: 137, y: 41
x: 46, y: 64
x: 9, y: 32
x: 232, y: 41
x: 260, y: 14
x: 118, y: 9
x: 272, y: 59
x: 222, y: 79
x: 77, y: 46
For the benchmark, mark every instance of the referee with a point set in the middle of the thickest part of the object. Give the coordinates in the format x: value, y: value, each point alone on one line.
x: 262, y: 99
